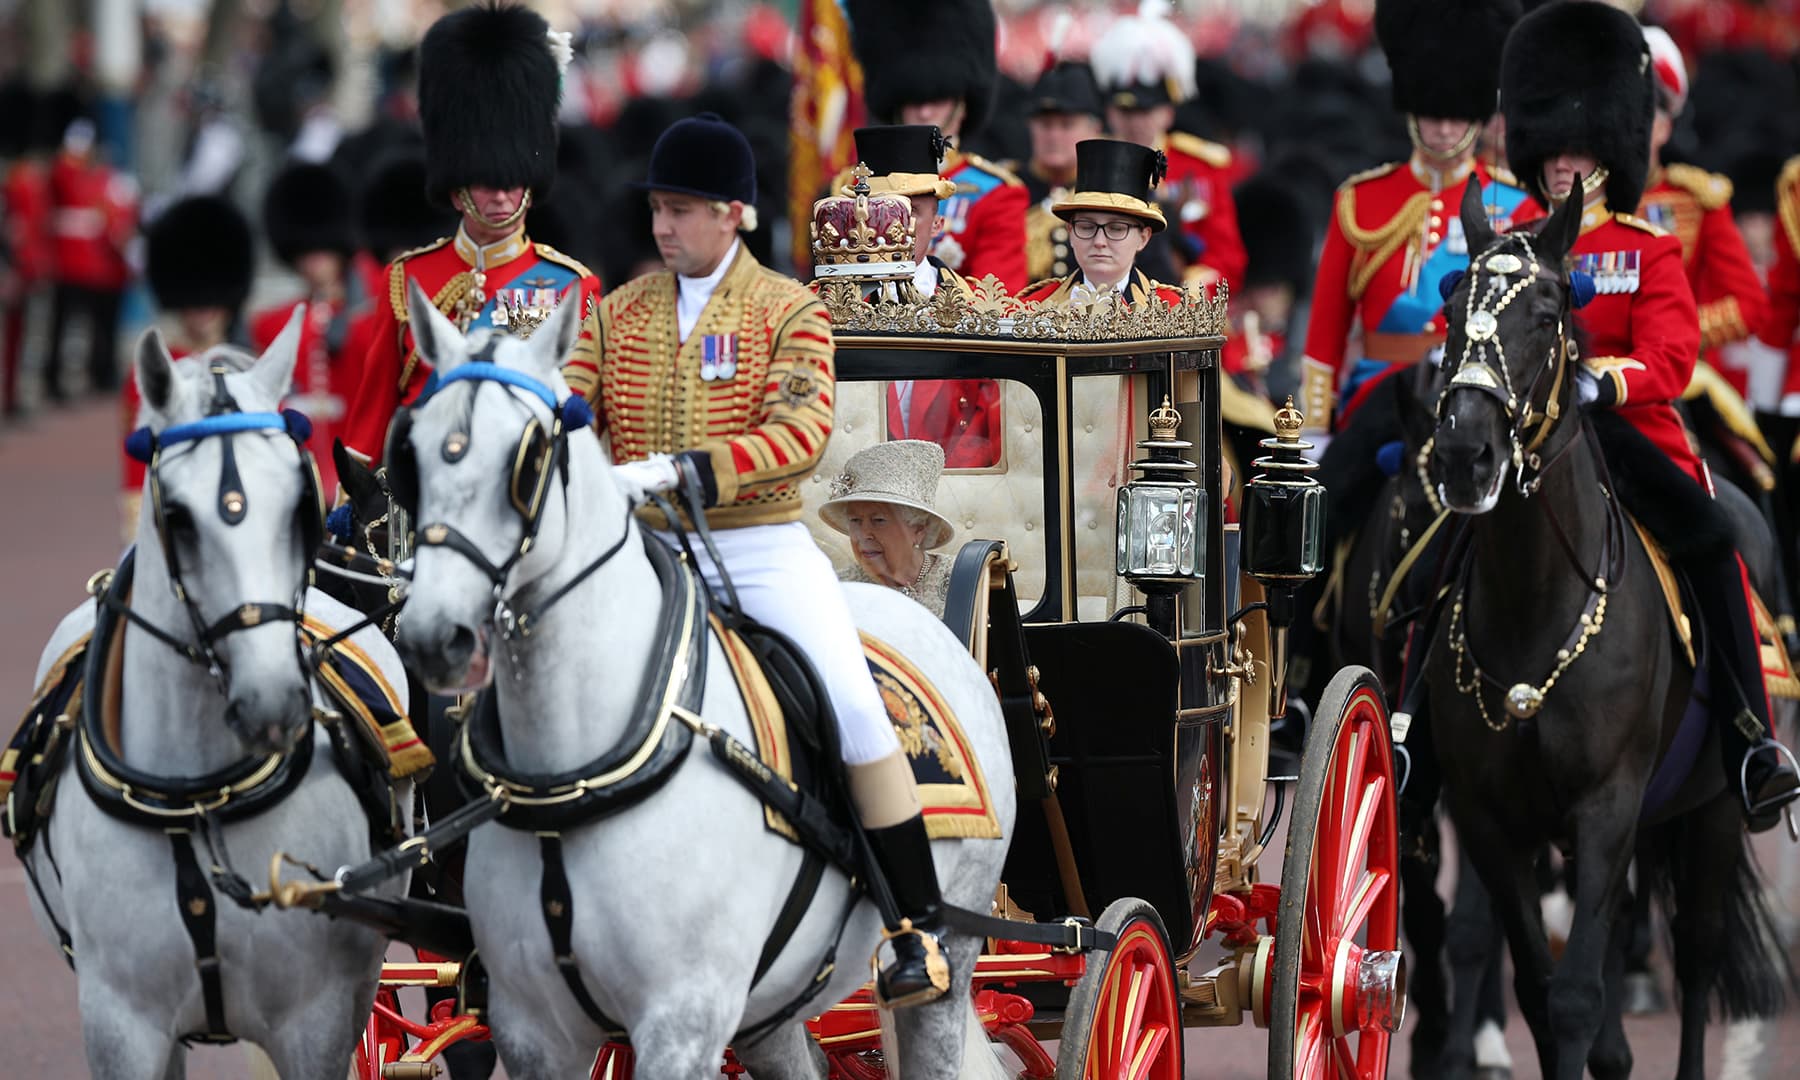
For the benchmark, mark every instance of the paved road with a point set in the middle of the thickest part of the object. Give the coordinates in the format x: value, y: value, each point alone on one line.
x: 57, y: 487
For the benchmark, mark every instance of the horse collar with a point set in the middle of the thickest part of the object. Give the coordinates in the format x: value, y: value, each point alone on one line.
x: 646, y: 755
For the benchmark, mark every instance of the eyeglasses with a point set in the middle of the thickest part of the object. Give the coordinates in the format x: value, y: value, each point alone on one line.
x: 1115, y: 230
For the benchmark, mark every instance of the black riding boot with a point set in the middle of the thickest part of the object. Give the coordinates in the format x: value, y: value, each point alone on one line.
x: 1759, y: 769
x: 919, y: 973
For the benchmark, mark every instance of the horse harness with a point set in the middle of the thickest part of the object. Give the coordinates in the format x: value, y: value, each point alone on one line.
x: 1482, y: 367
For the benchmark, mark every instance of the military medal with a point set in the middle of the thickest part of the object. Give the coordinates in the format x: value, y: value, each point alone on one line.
x: 1455, y: 239
x: 718, y: 357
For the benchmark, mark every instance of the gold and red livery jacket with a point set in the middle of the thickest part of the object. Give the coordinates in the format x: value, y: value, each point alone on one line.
x: 516, y: 271
x: 750, y: 392
x: 1048, y: 250
x: 1642, y: 326
x: 983, y: 224
x: 1057, y: 290
x: 1394, y: 235
x: 1196, y: 197
x: 1782, y: 319
x: 1695, y: 205
x: 324, y: 377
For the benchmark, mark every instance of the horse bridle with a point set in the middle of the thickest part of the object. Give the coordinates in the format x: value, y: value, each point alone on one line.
x: 224, y: 420
x: 535, y: 460
x: 1482, y: 365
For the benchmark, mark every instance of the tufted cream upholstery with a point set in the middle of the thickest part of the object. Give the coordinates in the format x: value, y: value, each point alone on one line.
x: 1009, y: 505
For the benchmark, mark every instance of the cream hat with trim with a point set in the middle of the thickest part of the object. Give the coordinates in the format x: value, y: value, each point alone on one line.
x: 904, y: 472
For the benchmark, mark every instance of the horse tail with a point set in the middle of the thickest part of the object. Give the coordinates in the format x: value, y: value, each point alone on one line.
x: 1755, y: 974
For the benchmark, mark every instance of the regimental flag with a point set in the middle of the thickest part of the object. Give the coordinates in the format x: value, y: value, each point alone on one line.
x: 827, y: 106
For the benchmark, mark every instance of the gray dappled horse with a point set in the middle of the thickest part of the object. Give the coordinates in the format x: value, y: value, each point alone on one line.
x: 1551, y: 556
x: 674, y: 895
x: 298, y: 986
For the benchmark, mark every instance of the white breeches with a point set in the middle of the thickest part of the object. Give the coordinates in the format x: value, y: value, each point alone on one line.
x: 785, y: 582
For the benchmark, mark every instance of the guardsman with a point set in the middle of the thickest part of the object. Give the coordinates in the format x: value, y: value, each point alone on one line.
x: 960, y: 415
x: 1065, y: 110
x: 1780, y: 327
x: 933, y: 63
x: 200, y: 259
x: 1695, y: 205
x: 728, y: 366
x: 1112, y: 214
x: 1280, y: 236
x: 25, y: 212
x: 1145, y: 65
x: 93, y: 216
x: 488, y: 93
x: 1579, y: 106
x: 308, y: 221
x: 1394, y: 233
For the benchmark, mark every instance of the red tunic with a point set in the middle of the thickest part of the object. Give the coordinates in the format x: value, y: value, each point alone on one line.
x: 984, y: 222
x: 1196, y: 195
x: 1643, y: 331
x: 960, y: 415
x: 1696, y: 207
x: 93, y: 214
x: 1783, y: 317
x: 323, y: 381
x: 393, y: 373
x: 26, y: 197
x: 1392, y: 240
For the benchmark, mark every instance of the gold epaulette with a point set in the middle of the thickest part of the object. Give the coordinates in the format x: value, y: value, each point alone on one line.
x: 1194, y: 146
x: 1005, y: 175
x: 1710, y: 189
x: 1640, y: 224
x: 1787, y: 201
x: 397, y: 275
x: 567, y: 262
x: 1369, y: 174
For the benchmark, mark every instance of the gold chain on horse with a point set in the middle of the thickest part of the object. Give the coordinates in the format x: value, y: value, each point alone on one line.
x: 1523, y: 700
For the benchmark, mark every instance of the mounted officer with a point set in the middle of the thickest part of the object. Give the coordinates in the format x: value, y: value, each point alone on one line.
x: 489, y: 85
x: 1580, y: 115
x: 723, y: 369
x: 935, y: 64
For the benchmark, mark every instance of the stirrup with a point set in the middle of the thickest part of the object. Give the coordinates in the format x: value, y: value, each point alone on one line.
x: 1774, y: 802
x: 937, y: 969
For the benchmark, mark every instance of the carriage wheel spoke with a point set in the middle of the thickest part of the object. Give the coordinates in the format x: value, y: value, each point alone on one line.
x: 1345, y: 1058
x: 1373, y: 885
x: 1356, y: 850
x: 1149, y: 1045
x: 1312, y: 1045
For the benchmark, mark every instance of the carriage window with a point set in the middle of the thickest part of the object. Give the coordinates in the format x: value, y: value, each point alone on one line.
x: 993, y: 484
x: 964, y: 416
x: 1106, y: 417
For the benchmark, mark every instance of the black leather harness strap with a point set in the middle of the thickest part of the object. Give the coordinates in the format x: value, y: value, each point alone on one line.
x: 793, y: 909
x: 199, y: 916
x: 557, y: 902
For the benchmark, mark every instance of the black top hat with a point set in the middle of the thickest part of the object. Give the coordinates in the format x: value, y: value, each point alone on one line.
x: 1112, y: 175
x: 394, y: 213
x: 1445, y: 54
x: 928, y: 50
x: 703, y: 156
x: 307, y: 209
x: 1068, y: 87
x: 903, y: 159
x: 1576, y: 76
x: 200, y: 254
x: 488, y: 94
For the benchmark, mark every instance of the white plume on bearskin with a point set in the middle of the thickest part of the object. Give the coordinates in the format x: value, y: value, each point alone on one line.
x: 1145, y: 48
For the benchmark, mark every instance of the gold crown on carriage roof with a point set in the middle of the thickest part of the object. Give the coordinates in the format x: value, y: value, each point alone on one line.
x: 862, y: 233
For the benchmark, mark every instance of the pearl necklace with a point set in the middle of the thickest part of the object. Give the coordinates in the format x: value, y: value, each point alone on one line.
x: 924, y: 565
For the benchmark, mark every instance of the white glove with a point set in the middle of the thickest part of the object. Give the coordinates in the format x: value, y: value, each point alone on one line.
x: 1587, y: 387
x: 1320, y: 440
x: 641, y: 479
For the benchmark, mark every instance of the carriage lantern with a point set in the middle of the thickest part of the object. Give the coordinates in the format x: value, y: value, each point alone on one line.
x: 1284, y: 515
x: 1161, y: 513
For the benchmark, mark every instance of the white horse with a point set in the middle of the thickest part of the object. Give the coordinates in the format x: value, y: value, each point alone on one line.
x: 298, y: 986
x: 673, y: 897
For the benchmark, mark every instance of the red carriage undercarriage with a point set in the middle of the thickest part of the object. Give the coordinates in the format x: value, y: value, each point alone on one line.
x: 1140, y: 705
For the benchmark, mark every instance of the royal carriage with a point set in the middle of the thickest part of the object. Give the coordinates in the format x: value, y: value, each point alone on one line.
x: 1135, y: 634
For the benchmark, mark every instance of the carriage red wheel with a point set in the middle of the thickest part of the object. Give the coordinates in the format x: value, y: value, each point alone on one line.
x: 1338, y: 989
x: 1124, y: 1016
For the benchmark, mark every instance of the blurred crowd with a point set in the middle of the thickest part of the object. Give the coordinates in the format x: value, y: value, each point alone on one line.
x: 1297, y: 92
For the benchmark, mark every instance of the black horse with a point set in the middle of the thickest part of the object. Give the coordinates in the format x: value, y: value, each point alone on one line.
x: 1555, y: 685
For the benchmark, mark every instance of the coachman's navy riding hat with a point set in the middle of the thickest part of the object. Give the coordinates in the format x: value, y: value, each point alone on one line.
x: 703, y: 156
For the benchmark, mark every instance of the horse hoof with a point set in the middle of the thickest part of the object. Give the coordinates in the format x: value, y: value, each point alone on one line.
x: 1643, y: 995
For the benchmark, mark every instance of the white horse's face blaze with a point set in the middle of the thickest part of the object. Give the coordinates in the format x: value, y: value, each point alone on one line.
x: 445, y: 630
x: 224, y: 566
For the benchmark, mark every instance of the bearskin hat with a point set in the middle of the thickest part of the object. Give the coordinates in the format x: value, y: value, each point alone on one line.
x: 1278, y: 232
x: 393, y: 212
x: 1575, y: 75
x: 307, y: 209
x: 931, y: 50
x: 1445, y: 54
x: 489, y: 89
x: 200, y: 254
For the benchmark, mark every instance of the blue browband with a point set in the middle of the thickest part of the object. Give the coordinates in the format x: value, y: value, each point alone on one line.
x: 143, y: 443
x: 575, y: 412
